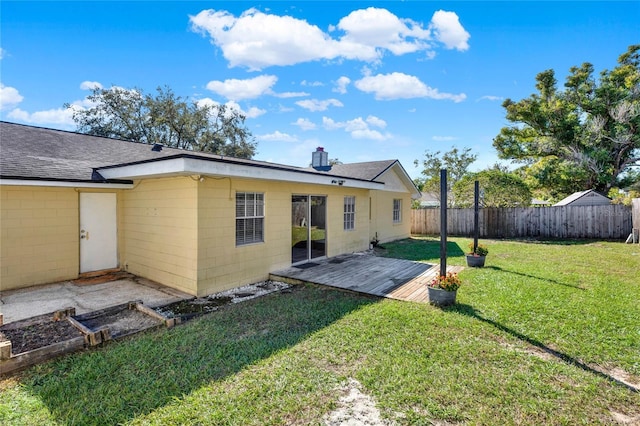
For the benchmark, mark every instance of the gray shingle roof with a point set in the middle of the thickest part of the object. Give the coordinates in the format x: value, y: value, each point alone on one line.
x: 368, y: 171
x: 38, y: 153
x: 28, y: 152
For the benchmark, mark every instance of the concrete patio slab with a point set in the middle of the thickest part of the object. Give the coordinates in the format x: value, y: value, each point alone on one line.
x: 25, y: 303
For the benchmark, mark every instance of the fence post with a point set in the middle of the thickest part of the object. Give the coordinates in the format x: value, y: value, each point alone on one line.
x: 635, y: 219
x: 443, y: 222
x: 476, y: 213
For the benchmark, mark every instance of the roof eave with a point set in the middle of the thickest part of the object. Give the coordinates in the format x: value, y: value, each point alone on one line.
x: 63, y: 183
x: 186, y: 165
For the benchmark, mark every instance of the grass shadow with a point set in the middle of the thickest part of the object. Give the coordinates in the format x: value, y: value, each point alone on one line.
x: 419, y: 249
x: 557, y: 242
x: 125, y: 379
x: 469, y: 311
x: 546, y: 280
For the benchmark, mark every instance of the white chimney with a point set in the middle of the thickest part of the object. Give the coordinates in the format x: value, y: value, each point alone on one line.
x: 320, y: 160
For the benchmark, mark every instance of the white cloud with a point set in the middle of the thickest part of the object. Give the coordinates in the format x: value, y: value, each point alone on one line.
x: 252, y: 112
x: 58, y: 116
x: 491, y: 98
x: 257, y: 40
x: 284, y: 108
x: 237, y: 90
x: 9, y: 97
x: 330, y: 124
x: 444, y: 138
x: 341, y: 85
x: 374, y: 29
x: 90, y: 85
x: 277, y: 136
x: 369, y: 134
x: 355, y: 125
x: 311, y: 83
x: 290, y: 94
x: 448, y: 30
x: 377, y: 122
x: 402, y: 86
x: 318, y: 105
x: 2, y: 53
x: 359, y: 128
x: 304, y: 124
x: 207, y: 102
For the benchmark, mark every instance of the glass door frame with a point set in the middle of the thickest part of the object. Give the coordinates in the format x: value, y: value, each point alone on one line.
x: 308, y: 218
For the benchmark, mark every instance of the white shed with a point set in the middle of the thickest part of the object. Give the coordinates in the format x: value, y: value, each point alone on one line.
x: 584, y: 198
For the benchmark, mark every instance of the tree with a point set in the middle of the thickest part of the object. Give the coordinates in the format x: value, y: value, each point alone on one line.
x: 498, y: 188
x: 165, y: 119
x: 585, y: 137
x: 456, y: 162
x: 623, y: 197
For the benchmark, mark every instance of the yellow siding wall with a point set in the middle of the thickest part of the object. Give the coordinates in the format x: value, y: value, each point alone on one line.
x: 39, y: 240
x: 180, y: 231
x: 159, y: 232
x: 382, y: 223
x: 382, y: 209
x: 341, y: 241
x: 223, y: 265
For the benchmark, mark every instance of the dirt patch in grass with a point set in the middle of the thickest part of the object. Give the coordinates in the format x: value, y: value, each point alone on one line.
x: 616, y: 374
x: 37, y: 333
x: 355, y: 408
x: 619, y: 375
x: 623, y: 419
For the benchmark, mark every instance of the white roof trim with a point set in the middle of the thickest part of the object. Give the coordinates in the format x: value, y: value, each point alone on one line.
x: 64, y: 184
x: 193, y: 166
x: 402, y: 174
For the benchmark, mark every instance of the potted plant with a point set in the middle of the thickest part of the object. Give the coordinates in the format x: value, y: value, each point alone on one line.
x: 477, y: 254
x: 443, y: 289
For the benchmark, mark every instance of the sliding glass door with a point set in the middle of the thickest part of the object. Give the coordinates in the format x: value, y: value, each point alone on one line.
x: 308, y: 227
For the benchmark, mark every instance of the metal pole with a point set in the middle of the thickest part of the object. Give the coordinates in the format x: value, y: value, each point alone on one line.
x: 443, y: 222
x: 476, y: 212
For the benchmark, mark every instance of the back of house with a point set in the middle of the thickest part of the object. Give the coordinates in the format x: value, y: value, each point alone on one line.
x: 73, y: 204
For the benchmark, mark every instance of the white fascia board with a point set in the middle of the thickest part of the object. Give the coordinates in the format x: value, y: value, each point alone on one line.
x: 404, y: 177
x: 193, y: 166
x: 63, y: 184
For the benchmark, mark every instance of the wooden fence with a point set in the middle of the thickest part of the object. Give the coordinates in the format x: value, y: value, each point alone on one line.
x: 636, y: 212
x: 612, y: 222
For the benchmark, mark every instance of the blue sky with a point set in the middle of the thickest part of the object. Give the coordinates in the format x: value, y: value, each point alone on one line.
x: 366, y: 80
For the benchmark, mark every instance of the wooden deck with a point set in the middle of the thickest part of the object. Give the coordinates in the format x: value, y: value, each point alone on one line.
x: 364, y: 273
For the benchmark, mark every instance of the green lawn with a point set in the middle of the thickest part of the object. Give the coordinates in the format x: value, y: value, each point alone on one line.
x: 535, y: 338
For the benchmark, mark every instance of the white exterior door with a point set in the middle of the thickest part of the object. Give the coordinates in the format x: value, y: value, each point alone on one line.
x: 98, y: 232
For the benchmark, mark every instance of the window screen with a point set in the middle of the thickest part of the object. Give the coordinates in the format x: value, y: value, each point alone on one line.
x: 349, y: 213
x: 397, y: 210
x: 249, y: 218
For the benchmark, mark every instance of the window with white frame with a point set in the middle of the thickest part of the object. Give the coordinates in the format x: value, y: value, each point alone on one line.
x: 397, y: 210
x: 349, y: 213
x: 249, y: 218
